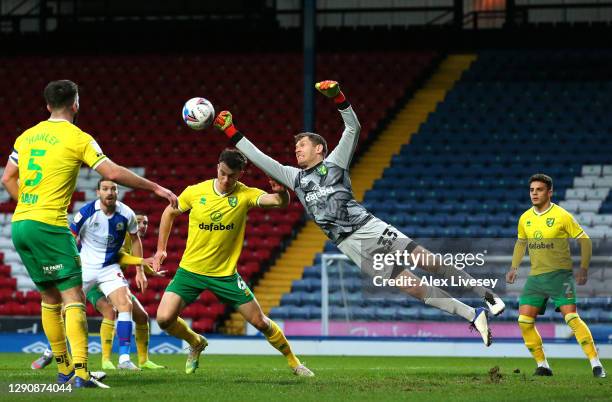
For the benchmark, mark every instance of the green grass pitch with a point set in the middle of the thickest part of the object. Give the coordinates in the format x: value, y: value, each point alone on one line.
x: 267, y: 378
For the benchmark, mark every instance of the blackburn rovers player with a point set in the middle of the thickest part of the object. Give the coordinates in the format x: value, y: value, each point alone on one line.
x: 545, y: 229
x: 323, y: 186
x: 217, y: 218
x: 101, y: 227
x: 128, y: 256
x: 41, y: 175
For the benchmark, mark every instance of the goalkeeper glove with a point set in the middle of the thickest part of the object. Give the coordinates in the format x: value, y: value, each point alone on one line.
x: 225, y: 123
x: 331, y: 89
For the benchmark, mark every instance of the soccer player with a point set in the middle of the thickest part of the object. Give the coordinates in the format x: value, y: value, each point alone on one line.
x: 101, y: 226
x: 217, y: 219
x: 545, y: 228
x: 107, y: 327
x: 41, y: 175
x: 139, y: 315
x: 323, y: 186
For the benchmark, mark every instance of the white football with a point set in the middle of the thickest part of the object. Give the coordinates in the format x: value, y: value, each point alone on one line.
x: 198, y: 113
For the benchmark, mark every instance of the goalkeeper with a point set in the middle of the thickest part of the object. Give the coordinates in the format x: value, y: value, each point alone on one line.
x: 323, y: 186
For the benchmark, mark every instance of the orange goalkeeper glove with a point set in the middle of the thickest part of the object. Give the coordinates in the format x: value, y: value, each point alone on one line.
x: 225, y: 123
x: 331, y: 89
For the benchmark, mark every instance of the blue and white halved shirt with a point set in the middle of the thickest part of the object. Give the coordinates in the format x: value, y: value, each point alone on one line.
x: 101, y: 236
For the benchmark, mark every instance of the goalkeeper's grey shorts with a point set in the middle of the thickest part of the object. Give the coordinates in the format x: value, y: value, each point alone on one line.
x: 374, y: 248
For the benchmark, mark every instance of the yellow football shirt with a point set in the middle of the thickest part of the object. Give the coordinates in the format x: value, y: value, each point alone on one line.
x: 216, y: 226
x: 49, y: 156
x: 546, y: 234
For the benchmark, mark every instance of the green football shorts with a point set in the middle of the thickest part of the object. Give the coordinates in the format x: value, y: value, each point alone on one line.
x: 231, y: 290
x: 559, y: 286
x: 49, y: 254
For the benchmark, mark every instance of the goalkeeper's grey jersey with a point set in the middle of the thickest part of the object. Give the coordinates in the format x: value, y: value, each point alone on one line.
x: 324, y: 190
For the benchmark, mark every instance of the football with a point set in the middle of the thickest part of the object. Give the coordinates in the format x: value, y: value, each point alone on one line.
x: 198, y: 113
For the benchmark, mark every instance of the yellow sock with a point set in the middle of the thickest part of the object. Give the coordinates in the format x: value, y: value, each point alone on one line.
x: 532, y: 337
x: 180, y: 329
x: 276, y: 337
x: 107, y: 334
x: 142, y: 342
x: 582, y: 334
x: 53, y: 325
x: 76, y: 329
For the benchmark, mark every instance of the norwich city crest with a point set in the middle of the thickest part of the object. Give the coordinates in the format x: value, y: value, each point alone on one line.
x: 550, y: 222
x: 322, y: 170
x: 233, y: 201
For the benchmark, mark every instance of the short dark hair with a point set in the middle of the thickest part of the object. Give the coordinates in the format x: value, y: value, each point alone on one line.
x: 316, y: 139
x: 543, y: 178
x: 104, y: 179
x: 233, y: 158
x: 60, y: 94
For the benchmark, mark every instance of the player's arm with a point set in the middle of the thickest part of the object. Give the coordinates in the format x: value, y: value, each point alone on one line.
x: 519, y: 252
x: 278, y: 199
x: 574, y: 230
x: 141, y: 279
x: 343, y: 153
x: 165, y: 226
x: 10, y: 179
x: 126, y: 259
x: 283, y: 174
x: 586, y: 252
x: 121, y: 175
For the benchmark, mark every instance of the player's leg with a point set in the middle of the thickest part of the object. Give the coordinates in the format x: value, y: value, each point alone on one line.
x: 252, y: 313
x: 53, y: 263
x: 184, y: 288
x: 532, y: 302
x: 76, y: 325
x: 565, y: 301
x: 107, y: 327
x: 430, y: 263
x: 43, y: 361
x: 51, y: 300
x: 141, y: 322
x: 121, y: 299
x: 583, y: 336
x: 377, y: 239
x: 54, y: 328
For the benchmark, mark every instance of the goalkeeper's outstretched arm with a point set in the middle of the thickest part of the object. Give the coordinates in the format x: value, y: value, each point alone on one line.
x: 283, y: 174
x: 343, y: 153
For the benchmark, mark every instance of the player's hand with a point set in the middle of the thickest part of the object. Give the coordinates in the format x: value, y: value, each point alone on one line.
x: 511, y: 275
x: 141, y: 280
x: 582, y: 276
x: 163, y: 192
x: 223, y: 120
x: 225, y: 123
x: 147, y: 264
x: 158, y: 259
x: 276, y: 186
x: 329, y: 88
